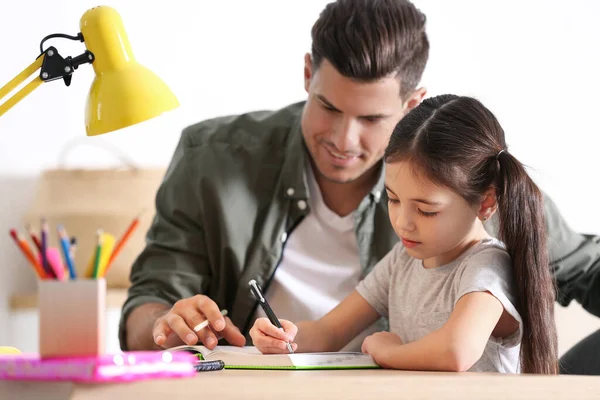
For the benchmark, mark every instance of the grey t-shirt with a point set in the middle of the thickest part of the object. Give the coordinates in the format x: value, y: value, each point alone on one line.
x: 419, y: 300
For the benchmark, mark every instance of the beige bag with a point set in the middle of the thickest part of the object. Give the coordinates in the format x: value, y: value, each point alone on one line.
x: 84, y: 201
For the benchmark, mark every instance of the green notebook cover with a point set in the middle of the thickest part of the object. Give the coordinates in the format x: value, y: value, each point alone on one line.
x: 250, y: 358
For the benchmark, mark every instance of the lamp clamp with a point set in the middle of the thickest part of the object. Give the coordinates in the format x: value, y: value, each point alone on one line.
x: 55, y: 66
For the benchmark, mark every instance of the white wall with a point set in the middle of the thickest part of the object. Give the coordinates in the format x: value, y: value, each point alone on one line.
x: 534, y: 63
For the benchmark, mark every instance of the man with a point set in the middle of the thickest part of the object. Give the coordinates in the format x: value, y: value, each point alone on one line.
x: 294, y: 198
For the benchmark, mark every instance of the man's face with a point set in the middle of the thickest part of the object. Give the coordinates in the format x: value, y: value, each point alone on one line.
x: 347, y: 124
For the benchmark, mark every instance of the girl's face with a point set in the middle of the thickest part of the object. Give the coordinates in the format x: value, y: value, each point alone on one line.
x: 435, y: 224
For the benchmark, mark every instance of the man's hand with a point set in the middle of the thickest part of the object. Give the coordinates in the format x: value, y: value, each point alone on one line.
x: 186, y: 314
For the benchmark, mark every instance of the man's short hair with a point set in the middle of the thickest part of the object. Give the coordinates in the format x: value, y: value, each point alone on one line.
x: 367, y: 40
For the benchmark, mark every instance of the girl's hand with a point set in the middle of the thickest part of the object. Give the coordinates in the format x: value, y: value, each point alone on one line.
x: 269, y: 339
x: 379, y: 344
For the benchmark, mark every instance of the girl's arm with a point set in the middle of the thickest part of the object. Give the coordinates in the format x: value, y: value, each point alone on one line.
x: 330, y: 333
x: 454, y: 347
x: 338, y: 327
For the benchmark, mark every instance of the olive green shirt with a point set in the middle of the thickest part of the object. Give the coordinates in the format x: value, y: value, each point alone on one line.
x: 231, y: 196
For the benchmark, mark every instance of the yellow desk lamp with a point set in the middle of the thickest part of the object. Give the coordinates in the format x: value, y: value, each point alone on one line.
x: 123, y: 92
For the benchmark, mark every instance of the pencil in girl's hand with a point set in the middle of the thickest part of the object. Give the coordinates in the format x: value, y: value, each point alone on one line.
x: 65, y: 244
x: 24, y: 246
x: 121, y: 243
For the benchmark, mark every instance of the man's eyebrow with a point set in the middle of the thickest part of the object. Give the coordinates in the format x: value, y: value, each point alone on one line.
x: 327, y: 103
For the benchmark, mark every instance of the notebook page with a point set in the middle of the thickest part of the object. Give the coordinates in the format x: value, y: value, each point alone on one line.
x: 247, y: 356
x: 246, y: 350
x: 341, y: 359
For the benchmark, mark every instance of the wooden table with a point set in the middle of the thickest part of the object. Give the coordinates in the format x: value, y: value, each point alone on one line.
x: 348, y: 384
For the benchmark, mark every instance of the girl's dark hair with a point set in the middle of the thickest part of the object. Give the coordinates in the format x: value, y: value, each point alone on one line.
x: 459, y: 144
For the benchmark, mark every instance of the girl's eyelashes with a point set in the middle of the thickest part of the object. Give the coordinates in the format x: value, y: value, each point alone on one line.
x: 428, y: 214
x: 423, y: 213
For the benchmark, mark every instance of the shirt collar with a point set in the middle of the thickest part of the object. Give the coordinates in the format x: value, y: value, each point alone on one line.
x: 293, y: 179
x: 379, y: 187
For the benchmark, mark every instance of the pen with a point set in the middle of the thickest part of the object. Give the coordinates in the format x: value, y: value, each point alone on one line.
x: 204, y: 324
x: 214, y: 365
x: 255, y: 289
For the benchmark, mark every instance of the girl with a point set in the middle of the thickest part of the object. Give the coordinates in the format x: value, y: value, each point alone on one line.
x: 456, y: 298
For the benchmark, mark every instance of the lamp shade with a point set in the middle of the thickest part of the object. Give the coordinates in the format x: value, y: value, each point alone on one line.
x: 123, y: 92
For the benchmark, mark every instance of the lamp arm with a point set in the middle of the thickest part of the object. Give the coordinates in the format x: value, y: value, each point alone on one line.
x: 53, y: 66
x: 16, y: 81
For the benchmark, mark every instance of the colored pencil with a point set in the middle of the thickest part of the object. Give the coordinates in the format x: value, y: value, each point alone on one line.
x: 55, y: 263
x: 98, y: 255
x: 108, y: 244
x: 34, y: 238
x: 123, y: 240
x: 24, y: 246
x: 43, y: 247
x: 64, y: 242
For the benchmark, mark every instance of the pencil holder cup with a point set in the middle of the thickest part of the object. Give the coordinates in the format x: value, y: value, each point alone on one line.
x: 72, y: 317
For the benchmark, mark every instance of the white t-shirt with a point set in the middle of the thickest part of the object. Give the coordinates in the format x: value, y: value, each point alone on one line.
x: 320, y: 265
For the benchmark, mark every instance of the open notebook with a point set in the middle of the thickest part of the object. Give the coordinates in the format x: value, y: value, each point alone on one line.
x: 250, y: 358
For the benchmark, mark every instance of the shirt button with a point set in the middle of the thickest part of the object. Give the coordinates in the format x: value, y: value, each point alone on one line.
x: 377, y: 195
x: 283, y: 237
x: 291, y: 191
x: 301, y: 204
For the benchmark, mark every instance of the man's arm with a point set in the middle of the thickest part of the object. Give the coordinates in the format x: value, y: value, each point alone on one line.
x: 174, y: 264
x: 141, y: 320
x: 574, y: 259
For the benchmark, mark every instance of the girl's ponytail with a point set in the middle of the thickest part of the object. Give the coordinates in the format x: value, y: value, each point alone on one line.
x: 523, y: 231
